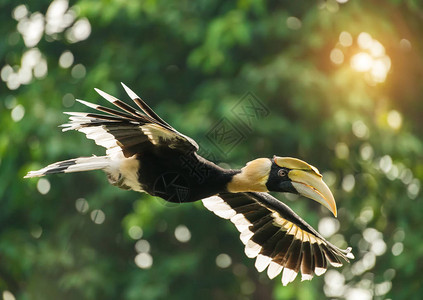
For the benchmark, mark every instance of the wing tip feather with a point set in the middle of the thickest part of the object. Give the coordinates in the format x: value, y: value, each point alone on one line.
x: 130, y: 92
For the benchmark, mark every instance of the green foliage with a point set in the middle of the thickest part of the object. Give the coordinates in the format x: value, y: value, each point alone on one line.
x: 192, y: 61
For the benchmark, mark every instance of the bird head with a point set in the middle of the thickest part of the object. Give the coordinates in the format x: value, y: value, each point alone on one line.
x: 292, y: 175
x: 286, y: 175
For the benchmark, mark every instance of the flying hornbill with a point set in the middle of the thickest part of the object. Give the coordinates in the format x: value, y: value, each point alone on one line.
x: 146, y: 154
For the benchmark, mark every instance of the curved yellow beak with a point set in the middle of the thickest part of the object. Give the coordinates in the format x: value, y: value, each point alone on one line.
x: 311, y: 185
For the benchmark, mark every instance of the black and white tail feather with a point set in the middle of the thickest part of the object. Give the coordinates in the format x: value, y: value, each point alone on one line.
x: 125, y: 133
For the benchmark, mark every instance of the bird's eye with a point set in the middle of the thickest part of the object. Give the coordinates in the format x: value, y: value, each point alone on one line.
x: 282, y: 173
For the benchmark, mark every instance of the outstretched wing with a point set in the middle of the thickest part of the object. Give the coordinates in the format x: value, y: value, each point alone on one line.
x: 277, y: 236
x: 127, y: 130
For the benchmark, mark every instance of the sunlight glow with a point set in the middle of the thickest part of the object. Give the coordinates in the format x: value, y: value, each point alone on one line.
x: 377, y: 68
x: 379, y: 71
x: 371, y: 59
x: 362, y: 62
x: 364, y: 40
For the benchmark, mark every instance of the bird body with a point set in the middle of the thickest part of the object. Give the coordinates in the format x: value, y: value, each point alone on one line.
x: 146, y: 154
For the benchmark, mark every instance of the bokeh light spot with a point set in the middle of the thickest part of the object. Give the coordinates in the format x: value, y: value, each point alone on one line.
x: 376, y: 49
x: 135, y: 232
x: 385, y: 163
x: 405, y: 45
x: 364, y: 40
x: 43, y: 186
x: 345, y: 39
x: 8, y: 295
x: 223, y: 260
x: 342, y: 151
x: 328, y: 226
x: 142, y: 246
x: 66, y: 59
x: 182, y: 234
x: 40, y: 70
x: 78, y: 71
x: 98, y: 216
x: 334, y: 284
x: 358, y: 293
x: 360, y: 129
x: 20, y: 12
x: 366, y: 151
x: 383, y: 288
x: 413, y: 189
x: 397, y: 249
x: 6, y: 71
x: 248, y: 287
x: 394, y: 119
x: 332, y: 6
x: 293, y: 23
x: 68, y: 100
x: 80, y: 31
x: 82, y: 205
x: 337, y: 56
x: 36, y: 231
x: 361, y: 62
x: 17, y: 113
x: 366, y: 215
x: 378, y: 247
x: 144, y: 260
x: 348, y: 183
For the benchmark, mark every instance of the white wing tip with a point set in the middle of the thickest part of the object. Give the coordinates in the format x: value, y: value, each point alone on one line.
x: 262, y: 262
x: 306, y: 277
x: 130, y: 93
x: 349, y: 255
x: 106, y: 96
x: 252, y: 249
x: 319, y: 271
x: 32, y: 174
x: 273, y: 270
x: 288, y: 276
x: 91, y: 105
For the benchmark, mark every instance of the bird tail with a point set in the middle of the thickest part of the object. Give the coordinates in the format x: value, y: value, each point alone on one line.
x: 80, y: 164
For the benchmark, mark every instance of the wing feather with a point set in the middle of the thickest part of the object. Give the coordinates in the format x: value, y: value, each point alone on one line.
x: 127, y: 130
x: 278, y: 238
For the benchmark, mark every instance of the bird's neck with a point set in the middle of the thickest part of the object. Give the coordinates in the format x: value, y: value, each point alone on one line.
x: 252, y: 177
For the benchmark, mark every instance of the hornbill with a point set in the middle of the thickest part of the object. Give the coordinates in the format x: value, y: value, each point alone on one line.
x: 146, y: 154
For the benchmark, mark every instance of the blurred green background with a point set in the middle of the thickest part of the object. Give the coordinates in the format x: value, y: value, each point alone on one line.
x: 343, y: 81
